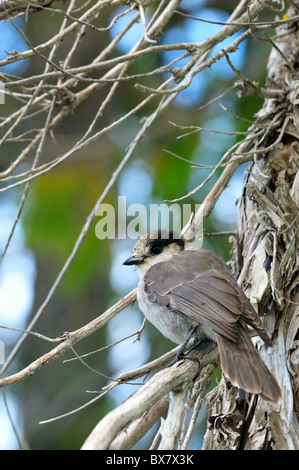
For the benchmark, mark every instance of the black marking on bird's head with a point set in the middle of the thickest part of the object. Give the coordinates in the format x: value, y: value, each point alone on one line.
x: 156, y: 246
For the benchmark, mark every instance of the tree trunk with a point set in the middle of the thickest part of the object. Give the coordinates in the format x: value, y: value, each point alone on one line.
x: 266, y: 262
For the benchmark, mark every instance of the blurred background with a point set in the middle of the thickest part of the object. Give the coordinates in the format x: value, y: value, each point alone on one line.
x: 60, y: 201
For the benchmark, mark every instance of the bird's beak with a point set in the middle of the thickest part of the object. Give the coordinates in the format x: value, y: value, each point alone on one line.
x: 132, y: 260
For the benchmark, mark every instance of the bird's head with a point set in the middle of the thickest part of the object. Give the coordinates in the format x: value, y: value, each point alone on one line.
x: 155, y: 247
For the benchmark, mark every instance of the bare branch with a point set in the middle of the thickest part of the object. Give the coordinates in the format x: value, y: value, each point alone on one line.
x: 59, y: 87
x: 12, y: 8
x: 72, y: 338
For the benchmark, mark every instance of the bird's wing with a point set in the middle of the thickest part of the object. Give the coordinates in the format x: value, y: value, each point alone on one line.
x: 198, y: 284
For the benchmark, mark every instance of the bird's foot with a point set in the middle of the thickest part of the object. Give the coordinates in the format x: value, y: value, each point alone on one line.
x: 195, y: 344
x: 181, y: 355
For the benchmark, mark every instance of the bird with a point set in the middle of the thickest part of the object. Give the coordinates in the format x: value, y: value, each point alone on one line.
x: 187, y: 292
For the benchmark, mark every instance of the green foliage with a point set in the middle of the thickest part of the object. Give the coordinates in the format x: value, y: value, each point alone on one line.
x: 58, y: 207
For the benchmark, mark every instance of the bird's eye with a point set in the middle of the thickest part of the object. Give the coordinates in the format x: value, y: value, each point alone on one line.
x: 156, y: 249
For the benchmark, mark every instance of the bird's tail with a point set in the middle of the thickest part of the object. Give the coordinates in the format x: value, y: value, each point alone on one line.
x: 243, y: 366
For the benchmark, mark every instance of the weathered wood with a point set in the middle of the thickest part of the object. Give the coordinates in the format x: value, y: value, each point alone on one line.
x: 266, y: 261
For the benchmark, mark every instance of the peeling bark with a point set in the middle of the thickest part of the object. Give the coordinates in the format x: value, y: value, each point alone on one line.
x: 266, y: 262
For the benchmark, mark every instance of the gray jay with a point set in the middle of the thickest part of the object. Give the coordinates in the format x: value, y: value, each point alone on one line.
x: 190, y: 293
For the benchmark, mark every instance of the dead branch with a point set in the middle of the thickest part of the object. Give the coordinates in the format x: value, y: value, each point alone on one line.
x: 69, y: 340
x: 176, y: 378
